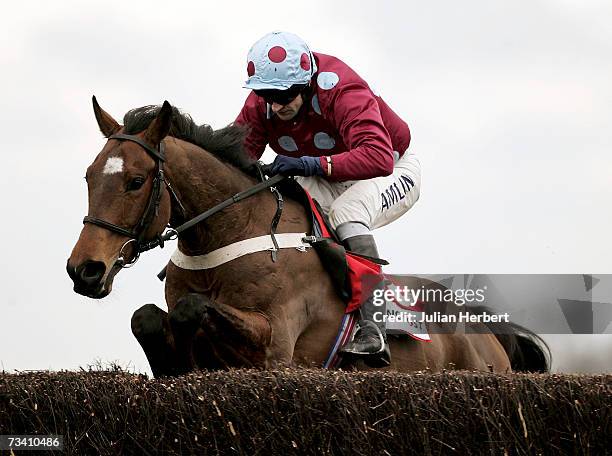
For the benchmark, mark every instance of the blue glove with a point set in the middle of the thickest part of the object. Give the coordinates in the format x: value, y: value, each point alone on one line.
x: 290, y: 166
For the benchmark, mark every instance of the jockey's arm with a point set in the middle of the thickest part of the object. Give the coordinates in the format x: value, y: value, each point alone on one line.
x: 257, y: 137
x: 355, y: 113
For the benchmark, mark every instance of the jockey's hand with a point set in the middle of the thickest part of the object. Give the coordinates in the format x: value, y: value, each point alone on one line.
x: 290, y: 166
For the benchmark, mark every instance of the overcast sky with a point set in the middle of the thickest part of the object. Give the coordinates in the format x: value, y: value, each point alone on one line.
x: 509, y: 103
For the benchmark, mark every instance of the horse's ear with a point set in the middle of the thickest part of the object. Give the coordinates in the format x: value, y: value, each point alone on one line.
x: 108, y: 125
x: 160, y: 127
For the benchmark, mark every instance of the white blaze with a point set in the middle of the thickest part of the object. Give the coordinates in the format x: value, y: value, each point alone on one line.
x: 113, y: 165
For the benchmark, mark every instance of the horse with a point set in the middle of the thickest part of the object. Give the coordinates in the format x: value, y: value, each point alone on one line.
x: 251, y: 311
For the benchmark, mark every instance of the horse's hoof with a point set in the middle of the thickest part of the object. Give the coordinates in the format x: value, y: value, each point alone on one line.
x: 147, y: 321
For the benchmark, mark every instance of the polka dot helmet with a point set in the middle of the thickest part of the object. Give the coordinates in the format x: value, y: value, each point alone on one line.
x: 278, y: 61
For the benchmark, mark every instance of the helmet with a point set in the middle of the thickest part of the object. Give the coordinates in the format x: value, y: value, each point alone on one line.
x: 278, y: 61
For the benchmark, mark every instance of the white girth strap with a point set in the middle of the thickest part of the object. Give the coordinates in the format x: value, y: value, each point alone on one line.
x: 238, y: 249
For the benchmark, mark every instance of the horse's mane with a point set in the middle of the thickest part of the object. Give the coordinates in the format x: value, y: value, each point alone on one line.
x: 225, y: 143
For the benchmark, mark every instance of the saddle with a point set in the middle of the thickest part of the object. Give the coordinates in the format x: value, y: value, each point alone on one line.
x: 352, y: 274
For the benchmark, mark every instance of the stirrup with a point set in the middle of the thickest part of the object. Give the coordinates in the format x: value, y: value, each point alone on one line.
x: 377, y: 359
x: 363, y: 325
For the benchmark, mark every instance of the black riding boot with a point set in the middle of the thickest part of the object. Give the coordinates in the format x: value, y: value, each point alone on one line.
x: 370, y: 341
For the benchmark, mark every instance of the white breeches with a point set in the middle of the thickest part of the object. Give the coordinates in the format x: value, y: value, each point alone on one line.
x: 373, y: 202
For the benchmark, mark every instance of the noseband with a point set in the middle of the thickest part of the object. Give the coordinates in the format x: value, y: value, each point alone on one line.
x: 137, y: 234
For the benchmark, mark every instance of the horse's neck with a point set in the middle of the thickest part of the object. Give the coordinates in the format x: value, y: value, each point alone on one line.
x: 202, y: 181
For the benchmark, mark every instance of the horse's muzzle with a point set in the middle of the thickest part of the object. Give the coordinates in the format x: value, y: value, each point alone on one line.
x: 87, y: 278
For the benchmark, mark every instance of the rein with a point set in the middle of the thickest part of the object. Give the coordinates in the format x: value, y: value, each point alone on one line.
x: 151, y: 211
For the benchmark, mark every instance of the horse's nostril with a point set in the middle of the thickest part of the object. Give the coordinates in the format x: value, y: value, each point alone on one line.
x: 71, y: 270
x: 91, y: 272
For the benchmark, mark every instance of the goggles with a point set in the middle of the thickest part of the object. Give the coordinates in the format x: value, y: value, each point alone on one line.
x: 281, y: 97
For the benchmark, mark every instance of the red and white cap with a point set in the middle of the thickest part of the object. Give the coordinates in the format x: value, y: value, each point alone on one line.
x: 278, y: 61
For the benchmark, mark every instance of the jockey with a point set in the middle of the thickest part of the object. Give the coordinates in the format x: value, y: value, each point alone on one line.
x: 343, y: 143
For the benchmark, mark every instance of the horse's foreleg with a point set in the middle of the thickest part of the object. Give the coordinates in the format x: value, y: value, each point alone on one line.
x: 151, y: 329
x: 185, y: 319
x: 239, y: 338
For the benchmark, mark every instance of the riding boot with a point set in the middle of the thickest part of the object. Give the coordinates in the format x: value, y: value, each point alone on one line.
x: 370, y: 341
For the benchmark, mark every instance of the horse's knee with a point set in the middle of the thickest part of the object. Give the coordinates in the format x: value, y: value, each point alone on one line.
x: 187, y: 314
x: 147, y: 321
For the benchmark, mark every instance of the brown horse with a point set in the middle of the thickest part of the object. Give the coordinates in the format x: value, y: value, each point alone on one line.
x: 250, y: 311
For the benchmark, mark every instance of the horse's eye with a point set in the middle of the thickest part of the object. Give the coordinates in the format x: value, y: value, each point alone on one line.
x: 135, y: 184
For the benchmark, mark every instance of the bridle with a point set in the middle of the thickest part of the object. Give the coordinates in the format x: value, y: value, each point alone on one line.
x: 137, y: 234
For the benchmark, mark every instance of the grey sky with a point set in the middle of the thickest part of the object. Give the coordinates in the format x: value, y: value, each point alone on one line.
x: 509, y: 103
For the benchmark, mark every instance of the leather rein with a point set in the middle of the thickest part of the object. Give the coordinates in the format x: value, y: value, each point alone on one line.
x: 137, y: 234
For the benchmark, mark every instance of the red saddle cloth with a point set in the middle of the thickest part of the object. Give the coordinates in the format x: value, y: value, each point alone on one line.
x: 353, y: 275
